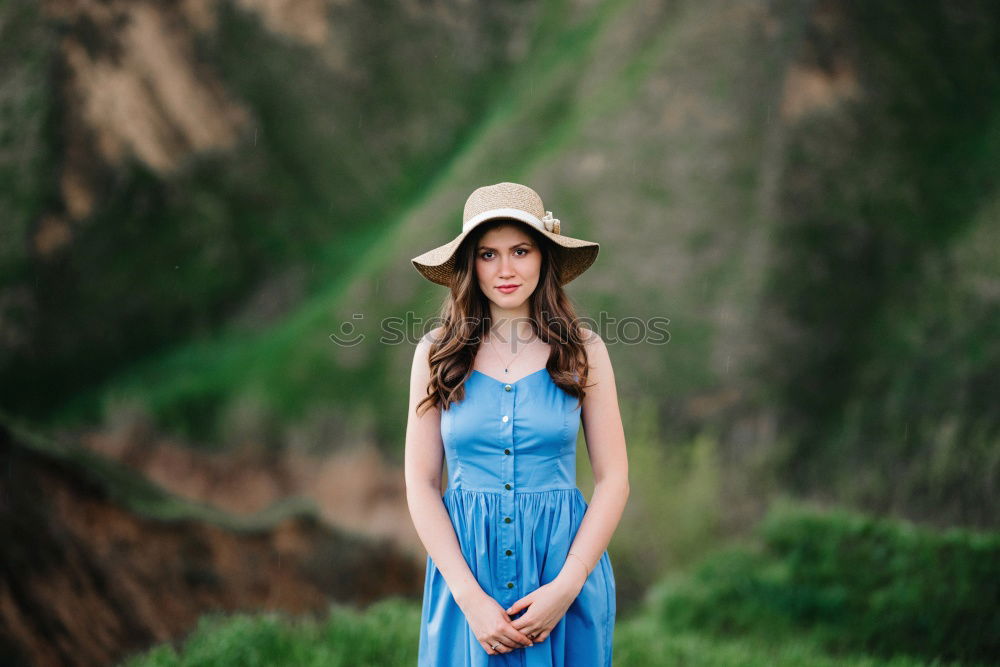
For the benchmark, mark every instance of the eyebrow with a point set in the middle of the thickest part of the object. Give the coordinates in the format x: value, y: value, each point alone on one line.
x: 516, y: 245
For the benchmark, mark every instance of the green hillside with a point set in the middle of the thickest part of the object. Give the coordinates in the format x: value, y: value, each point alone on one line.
x: 803, y: 189
x: 225, y: 241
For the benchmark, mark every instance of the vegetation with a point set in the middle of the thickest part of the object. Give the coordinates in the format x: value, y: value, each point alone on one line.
x: 819, y: 588
x: 852, y: 583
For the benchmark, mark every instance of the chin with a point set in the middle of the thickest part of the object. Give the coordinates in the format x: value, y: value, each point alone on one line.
x: 509, y: 300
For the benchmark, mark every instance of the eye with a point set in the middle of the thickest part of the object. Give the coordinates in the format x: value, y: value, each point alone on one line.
x: 483, y: 254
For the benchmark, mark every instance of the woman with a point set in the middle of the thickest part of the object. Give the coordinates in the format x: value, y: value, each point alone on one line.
x: 517, y: 567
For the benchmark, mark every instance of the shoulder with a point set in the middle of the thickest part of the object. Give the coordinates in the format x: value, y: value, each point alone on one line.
x: 591, y: 340
x: 430, y: 337
x: 422, y: 352
x: 598, y: 357
x: 420, y: 371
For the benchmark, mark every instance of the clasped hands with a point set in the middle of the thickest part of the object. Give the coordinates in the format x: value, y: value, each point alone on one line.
x: 545, y: 606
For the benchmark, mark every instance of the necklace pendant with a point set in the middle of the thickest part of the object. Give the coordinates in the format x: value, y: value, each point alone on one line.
x: 505, y: 370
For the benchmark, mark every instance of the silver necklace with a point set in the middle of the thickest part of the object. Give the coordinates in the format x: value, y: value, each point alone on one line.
x: 506, y: 365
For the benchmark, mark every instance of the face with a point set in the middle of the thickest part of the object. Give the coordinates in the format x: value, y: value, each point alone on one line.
x: 508, y: 255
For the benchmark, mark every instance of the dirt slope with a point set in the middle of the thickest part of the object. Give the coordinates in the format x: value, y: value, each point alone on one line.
x: 86, y: 581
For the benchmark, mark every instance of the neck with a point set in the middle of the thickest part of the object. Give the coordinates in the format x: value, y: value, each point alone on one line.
x: 510, y: 328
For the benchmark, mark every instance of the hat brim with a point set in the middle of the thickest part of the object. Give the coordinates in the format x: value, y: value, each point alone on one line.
x: 574, y: 256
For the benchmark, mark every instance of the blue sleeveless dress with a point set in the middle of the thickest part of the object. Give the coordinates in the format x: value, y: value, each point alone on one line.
x: 513, y: 501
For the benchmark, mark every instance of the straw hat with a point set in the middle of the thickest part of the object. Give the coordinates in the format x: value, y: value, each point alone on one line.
x: 509, y: 200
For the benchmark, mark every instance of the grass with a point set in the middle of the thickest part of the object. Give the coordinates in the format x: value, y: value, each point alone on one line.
x: 386, y: 635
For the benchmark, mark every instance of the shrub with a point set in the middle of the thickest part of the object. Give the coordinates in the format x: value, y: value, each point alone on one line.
x: 856, y: 583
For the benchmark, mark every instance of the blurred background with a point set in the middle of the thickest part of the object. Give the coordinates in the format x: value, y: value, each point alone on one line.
x: 197, y: 196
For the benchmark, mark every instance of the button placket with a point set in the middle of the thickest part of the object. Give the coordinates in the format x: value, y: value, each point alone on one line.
x: 508, y: 524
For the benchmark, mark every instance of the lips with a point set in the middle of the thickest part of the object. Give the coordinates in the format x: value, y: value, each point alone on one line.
x: 507, y: 289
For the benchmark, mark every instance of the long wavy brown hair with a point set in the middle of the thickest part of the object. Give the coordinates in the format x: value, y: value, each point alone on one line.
x: 465, y: 318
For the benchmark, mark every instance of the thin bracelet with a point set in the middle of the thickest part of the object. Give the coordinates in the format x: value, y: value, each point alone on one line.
x: 581, y: 560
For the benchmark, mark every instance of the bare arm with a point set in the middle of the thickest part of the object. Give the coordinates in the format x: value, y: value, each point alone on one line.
x: 602, y: 424
x: 423, y: 460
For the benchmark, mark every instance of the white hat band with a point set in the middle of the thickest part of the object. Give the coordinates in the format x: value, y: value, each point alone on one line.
x: 515, y: 213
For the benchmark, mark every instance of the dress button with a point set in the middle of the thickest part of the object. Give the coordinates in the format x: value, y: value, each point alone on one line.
x: 506, y: 519
x: 510, y: 584
x: 506, y: 451
x: 509, y: 552
x: 505, y: 418
x: 506, y: 486
x: 506, y: 387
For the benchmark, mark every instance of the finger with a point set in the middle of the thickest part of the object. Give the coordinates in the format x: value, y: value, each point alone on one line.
x: 487, y: 648
x: 543, y: 635
x: 525, y: 618
x: 517, y: 636
x: 501, y: 647
x: 519, y: 605
x: 508, y: 642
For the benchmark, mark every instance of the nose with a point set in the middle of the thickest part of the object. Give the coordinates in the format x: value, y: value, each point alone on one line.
x: 506, y: 267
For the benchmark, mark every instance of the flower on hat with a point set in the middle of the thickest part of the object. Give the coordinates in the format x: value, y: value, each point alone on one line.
x: 551, y: 224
